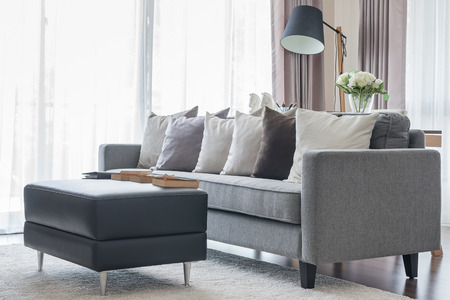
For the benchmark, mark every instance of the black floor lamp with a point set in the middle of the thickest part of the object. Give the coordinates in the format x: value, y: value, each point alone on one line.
x: 304, y: 35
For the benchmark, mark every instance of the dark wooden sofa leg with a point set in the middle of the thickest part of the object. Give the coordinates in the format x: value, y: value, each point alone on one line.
x: 307, y: 275
x: 411, y: 262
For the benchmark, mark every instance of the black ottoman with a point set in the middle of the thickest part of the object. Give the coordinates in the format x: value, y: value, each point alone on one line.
x: 106, y: 225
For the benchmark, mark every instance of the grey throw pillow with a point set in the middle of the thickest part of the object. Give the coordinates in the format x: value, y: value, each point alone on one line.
x: 183, y: 141
x: 154, y: 134
x: 391, y: 131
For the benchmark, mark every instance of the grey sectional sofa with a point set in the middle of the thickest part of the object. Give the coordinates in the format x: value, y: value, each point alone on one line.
x: 352, y: 204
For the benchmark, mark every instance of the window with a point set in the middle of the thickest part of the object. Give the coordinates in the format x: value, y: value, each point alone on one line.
x: 68, y: 82
x: 210, y: 53
x: 428, y: 77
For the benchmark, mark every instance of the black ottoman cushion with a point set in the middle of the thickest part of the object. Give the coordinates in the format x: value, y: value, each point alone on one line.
x: 115, y: 254
x: 108, y: 209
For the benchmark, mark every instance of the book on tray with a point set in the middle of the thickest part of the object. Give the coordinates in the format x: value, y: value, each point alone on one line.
x: 96, y: 175
x: 158, y: 180
x: 172, y: 181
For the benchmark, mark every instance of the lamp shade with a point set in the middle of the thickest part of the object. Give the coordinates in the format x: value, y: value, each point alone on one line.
x: 304, y: 31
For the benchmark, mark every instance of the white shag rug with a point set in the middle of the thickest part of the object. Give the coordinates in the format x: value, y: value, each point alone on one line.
x: 221, y: 276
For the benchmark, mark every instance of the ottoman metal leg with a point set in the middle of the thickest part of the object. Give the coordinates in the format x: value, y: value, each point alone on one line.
x: 187, y: 272
x: 40, y: 256
x: 103, y: 278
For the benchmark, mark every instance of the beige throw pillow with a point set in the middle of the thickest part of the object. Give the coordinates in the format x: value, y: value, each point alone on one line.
x: 217, y: 137
x: 154, y: 134
x: 321, y: 130
x: 244, y: 146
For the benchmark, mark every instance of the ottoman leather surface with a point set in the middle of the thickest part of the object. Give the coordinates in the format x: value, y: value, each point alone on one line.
x: 109, y: 209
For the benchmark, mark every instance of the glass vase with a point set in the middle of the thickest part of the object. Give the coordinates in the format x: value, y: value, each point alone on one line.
x: 361, y: 103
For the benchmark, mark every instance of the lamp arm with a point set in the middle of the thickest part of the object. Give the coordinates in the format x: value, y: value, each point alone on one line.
x: 335, y: 30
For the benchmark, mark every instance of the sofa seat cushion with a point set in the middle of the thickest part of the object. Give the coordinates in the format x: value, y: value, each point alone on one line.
x: 265, y: 198
x: 110, y: 209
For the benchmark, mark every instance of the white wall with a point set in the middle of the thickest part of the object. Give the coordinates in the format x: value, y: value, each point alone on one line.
x: 344, y: 13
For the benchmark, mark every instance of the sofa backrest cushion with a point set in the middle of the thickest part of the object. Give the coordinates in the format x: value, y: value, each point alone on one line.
x: 391, y: 131
x: 416, y: 138
x: 275, y: 156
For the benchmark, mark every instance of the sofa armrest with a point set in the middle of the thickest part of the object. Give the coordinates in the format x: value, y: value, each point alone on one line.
x: 359, y: 204
x: 118, y: 156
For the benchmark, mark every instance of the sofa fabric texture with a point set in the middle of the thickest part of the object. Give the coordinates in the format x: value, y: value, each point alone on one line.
x: 265, y: 198
x: 120, y: 156
x: 370, y: 203
x: 255, y: 233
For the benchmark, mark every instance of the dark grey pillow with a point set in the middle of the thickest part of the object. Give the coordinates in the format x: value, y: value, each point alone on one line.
x: 391, y: 131
x: 183, y: 142
x: 276, y: 153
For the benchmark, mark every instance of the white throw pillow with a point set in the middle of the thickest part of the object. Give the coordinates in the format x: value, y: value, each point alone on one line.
x: 321, y: 130
x: 154, y: 134
x: 245, y: 145
x: 217, y: 137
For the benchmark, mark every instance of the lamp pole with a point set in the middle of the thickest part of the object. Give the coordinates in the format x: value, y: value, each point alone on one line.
x: 340, y: 52
x: 304, y: 35
x: 340, y: 65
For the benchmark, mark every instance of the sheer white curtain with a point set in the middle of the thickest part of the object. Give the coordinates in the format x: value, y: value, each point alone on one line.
x: 428, y: 78
x: 70, y: 79
x: 210, y: 53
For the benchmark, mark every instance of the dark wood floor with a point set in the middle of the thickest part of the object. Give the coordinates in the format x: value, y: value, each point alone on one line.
x: 385, y: 273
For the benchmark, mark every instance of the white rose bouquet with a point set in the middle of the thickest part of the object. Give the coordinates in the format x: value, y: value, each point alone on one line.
x: 361, y: 86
